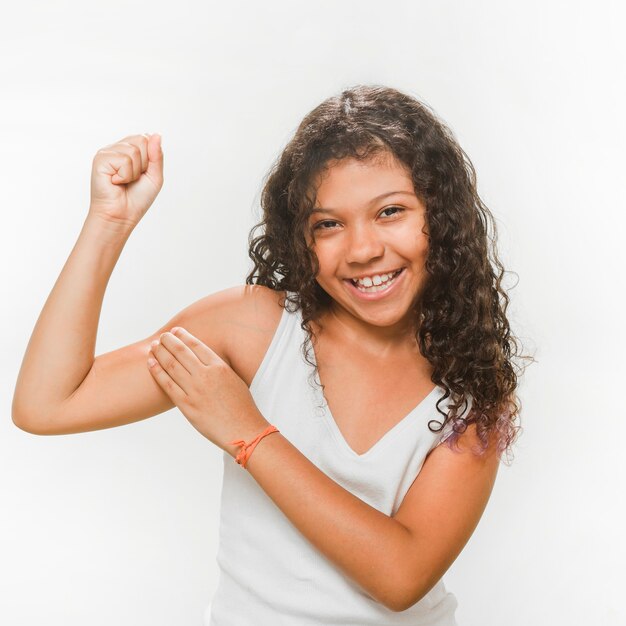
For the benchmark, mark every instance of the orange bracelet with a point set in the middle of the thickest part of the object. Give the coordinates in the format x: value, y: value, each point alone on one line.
x: 247, y: 448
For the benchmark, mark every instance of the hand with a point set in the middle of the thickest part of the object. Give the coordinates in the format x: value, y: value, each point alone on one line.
x: 216, y: 401
x: 126, y: 177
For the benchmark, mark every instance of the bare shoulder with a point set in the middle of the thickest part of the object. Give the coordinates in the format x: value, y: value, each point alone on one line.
x: 249, y: 316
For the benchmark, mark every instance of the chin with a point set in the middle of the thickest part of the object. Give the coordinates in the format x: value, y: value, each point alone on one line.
x: 391, y: 315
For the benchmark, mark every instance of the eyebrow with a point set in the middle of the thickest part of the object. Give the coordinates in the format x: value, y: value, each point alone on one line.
x: 382, y: 195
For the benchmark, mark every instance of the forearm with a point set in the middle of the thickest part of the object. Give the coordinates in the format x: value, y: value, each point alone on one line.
x: 61, y: 349
x: 367, y: 545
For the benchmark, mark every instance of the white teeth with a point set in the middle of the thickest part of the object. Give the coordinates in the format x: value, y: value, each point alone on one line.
x: 372, y: 288
x: 376, y: 280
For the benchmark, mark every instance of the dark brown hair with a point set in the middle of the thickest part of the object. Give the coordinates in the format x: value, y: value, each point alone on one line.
x: 461, y: 322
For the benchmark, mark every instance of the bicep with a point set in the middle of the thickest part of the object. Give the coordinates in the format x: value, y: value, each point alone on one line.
x: 119, y: 388
x: 442, y: 509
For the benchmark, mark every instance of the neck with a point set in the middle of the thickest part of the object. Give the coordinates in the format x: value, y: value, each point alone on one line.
x: 346, y: 330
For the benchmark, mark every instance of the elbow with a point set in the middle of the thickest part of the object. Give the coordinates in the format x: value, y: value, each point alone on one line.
x: 18, y: 415
x: 26, y: 424
x: 22, y: 426
x: 398, y: 601
x: 393, y: 599
x: 404, y: 594
x: 403, y: 602
x: 398, y: 587
x: 33, y: 420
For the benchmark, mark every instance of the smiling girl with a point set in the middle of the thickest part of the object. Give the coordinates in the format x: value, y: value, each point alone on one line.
x: 361, y: 384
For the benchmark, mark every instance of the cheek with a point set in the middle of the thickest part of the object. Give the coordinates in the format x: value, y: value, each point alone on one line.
x: 422, y: 245
x: 412, y: 245
x: 326, y: 253
x: 421, y: 238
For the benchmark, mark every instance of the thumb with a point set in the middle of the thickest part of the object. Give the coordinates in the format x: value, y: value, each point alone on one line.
x: 155, y: 157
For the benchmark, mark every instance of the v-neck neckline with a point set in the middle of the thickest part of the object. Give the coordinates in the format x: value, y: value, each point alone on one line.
x: 385, y: 438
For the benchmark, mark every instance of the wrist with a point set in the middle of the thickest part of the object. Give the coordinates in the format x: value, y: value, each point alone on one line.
x: 107, y: 231
x: 248, y: 436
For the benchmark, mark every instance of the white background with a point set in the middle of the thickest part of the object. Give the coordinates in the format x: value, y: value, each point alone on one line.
x: 119, y: 526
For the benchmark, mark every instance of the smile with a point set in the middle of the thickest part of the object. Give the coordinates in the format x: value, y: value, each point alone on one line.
x: 375, y: 279
x: 376, y: 292
x: 367, y: 286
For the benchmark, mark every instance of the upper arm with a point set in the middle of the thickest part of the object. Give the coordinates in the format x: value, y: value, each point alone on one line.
x: 119, y: 388
x: 442, y: 508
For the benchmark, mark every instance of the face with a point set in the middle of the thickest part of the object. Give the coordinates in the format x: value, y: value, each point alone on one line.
x: 368, y: 222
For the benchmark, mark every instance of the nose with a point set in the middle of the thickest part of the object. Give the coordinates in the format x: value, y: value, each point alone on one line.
x: 363, y: 244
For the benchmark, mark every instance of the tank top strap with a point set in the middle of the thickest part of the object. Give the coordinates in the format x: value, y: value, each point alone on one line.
x: 280, y: 348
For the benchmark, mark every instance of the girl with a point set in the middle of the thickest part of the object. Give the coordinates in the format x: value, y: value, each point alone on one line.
x: 360, y: 384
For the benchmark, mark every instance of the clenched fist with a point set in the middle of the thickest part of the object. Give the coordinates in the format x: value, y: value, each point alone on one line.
x: 126, y: 177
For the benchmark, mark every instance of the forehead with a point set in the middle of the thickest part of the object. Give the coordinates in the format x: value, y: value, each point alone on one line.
x: 351, y: 182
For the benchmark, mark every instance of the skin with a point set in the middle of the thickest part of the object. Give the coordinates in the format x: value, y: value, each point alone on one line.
x: 396, y: 560
x: 368, y: 345
x: 363, y: 235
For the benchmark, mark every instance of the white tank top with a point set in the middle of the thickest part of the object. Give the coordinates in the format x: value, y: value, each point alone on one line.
x: 269, y: 574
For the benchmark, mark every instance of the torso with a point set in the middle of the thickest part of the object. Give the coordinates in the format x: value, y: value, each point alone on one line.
x: 366, y: 396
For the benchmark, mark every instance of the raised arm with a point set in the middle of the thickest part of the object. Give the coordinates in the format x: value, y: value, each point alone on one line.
x: 126, y: 178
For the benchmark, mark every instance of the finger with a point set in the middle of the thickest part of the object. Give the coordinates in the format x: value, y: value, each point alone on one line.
x: 165, y: 381
x: 126, y: 159
x: 185, y: 353
x: 169, y: 361
x: 205, y: 354
x: 134, y: 152
x: 114, y: 163
x: 141, y: 142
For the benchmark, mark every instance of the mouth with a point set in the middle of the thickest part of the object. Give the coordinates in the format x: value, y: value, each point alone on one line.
x: 375, y: 292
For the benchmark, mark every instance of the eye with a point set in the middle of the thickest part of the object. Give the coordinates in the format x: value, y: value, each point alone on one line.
x: 392, y: 208
x: 320, y: 225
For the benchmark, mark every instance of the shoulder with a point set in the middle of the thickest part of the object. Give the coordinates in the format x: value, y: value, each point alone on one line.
x: 249, y: 316
x: 254, y: 316
x: 253, y: 308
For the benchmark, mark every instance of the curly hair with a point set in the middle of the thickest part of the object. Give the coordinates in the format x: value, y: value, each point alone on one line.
x: 461, y: 324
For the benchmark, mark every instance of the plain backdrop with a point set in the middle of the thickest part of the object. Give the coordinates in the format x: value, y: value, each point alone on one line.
x: 120, y: 526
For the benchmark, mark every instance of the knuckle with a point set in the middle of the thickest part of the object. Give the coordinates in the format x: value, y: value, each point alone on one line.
x: 129, y: 139
x: 133, y: 148
x: 211, y: 369
x: 220, y: 367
